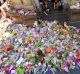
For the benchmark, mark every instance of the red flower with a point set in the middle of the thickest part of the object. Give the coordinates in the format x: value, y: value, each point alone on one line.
x: 8, y: 48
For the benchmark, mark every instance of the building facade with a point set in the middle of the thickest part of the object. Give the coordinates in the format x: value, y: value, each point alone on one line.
x: 28, y: 4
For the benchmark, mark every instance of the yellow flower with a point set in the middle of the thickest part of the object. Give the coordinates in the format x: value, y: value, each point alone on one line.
x: 13, y: 33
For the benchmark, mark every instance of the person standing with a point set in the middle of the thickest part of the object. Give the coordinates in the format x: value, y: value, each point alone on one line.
x: 42, y: 4
x: 62, y: 4
x: 52, y: 2
x: 43, y: 7
x: 46, y: 3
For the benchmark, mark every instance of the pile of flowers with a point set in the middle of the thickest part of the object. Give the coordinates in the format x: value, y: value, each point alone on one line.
x: 40, y: 50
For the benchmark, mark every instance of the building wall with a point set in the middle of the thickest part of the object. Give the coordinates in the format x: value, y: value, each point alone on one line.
x: 71, y: 2
x: 26, y: 4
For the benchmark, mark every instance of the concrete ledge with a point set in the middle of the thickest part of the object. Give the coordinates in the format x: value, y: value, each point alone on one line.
x: 75, y: 15
x: 21, y: 19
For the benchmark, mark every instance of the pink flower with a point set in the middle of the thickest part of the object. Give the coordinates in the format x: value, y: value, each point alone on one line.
x: 65, y: 68
x: 78, y: 30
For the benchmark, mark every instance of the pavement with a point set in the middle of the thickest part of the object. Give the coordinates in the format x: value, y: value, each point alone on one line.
x: 64, y: 16
x: 75, y: 24
x: 75, y: 71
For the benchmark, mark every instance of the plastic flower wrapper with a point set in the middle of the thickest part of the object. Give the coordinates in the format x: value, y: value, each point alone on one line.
x: 42, y: 48
x: 13, y: 70
x: 8, y: 62
x: 31, y: 56
x: 27, y: 50
x: 7, y: 34
x: 19, y: 61
x: 38, y: 45
x: 20, y: 69
x: 54, y: 65
x: 78, y: 30
x: 47, y: 58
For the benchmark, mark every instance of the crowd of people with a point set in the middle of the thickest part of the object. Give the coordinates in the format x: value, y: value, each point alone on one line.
x: 55, y: 4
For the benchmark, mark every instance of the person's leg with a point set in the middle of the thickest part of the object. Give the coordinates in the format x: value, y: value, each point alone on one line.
x: 46, y: 3
x: 60, y: 7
